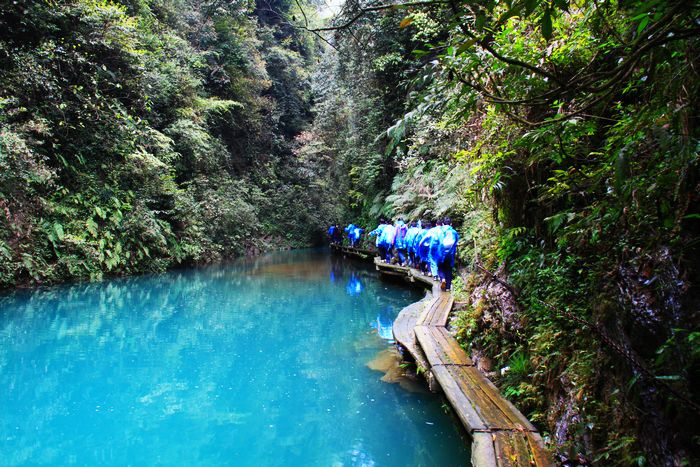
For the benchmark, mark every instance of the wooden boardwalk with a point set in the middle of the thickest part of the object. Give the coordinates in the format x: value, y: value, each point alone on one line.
x: 358, y: 253
x: 501, y: 435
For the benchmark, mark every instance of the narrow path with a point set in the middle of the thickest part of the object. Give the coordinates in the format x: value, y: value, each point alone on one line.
x: 501, y: 435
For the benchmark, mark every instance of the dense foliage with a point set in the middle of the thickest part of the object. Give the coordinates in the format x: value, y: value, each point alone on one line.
x: 141, y: 134
x: 563, y: 138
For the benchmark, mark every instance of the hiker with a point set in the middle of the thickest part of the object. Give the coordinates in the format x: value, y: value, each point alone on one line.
x: 378, y: 232
x: 408, y: 239
x: 446, y: 254
x: 422, y: 249
x: 428, y: 248
x: 348, y: 231
x: 354, y: 236
x: 338, y: 235
x: 387, y: 241
x: 332, y: 233
x: 400, y: 241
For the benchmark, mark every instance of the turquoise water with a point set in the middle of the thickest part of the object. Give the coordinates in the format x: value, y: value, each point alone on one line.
x: 258, y: 363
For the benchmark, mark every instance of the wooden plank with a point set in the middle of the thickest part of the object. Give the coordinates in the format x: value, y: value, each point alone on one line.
x: 404, y: 324
x: 394, y: 267
x: 483, y: 452
x: 514, y: 415
x: 428, y: 344
x: 498, y: 413
x: 428, y: 313
x: 511, y: 449
x: 501, y: 435
x: 404, y: 334
x: 491, y: 415
x: 462, y: 405
x: 451, y: 351
x: 417, y: 275
x: 540, y: 455
x: 436, y: 310
x: 437, y: 352
x: 442, y: 314
x: 425, y: 316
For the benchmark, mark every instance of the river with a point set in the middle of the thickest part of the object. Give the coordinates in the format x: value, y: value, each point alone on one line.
x: 258, y: 362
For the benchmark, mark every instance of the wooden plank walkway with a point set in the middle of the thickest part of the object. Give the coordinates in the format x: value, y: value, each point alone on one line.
x: 358, y: 253
x: 403, y: 329
x: 501, y: 435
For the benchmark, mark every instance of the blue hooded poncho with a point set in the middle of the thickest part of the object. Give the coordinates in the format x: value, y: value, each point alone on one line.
x: 386, y: 239
x: 379, y: 231
x: 447, y: 246
x: 400, y: 239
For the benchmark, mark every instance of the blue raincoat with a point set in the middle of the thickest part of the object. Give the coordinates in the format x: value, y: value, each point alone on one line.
x: 378, y: 232
x: 388, y: 235
x: 415, y: 247
x: 400, y: 240
x: 448, y: 245
x: 354, y: 234
x: 410, y: 236
x: 428, y: 248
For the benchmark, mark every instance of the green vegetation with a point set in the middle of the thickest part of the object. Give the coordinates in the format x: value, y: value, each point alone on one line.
x: 139, y: 135
x: 561, y: 136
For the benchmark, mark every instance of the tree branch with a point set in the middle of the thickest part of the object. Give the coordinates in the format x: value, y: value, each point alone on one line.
x: 364, y: 10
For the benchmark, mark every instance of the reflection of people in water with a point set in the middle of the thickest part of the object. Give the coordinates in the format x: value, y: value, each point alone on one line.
x: 336, y: 272
x: 354, y: 286
x: 383, y: 324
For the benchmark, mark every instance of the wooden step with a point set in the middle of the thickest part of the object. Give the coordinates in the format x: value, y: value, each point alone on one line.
x: 440, y: 348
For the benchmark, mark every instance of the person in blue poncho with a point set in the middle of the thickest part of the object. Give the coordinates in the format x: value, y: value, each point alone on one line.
x: 446, y: 253
x: 334, y: 233
x: 387, y: 241
x: 378, y: 232
x: 421, y: 252
x: 428, y: 248
x: 400, y: 241
x: 411, y: 233
x: 354, y: 236
x: 348, y: 232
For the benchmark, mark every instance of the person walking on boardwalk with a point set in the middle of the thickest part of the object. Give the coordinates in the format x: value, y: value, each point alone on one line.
x: 378, y: 232
x: 400, y: 241
x: 416, y: 244
x: 387, y: 241
x: 428, y: 248
x: 421, y: 248
x: 446, y: 254
x: 354, y: 236
x: 408, y: 239
x: 348, y: 232
x: 333, y: 233
x: 338, y: 235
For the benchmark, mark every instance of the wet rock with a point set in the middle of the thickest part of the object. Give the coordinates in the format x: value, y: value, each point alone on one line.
x: 389, y: 362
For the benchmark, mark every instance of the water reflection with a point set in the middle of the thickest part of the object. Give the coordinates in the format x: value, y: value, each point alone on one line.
x: 354, y: 286
x: 384, y: 323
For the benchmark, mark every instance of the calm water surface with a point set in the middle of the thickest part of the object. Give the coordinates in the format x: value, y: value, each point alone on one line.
x: 258, y: 363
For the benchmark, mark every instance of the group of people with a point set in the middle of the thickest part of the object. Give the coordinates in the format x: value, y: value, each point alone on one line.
x: 429, y: 248
x: 352, y: 231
